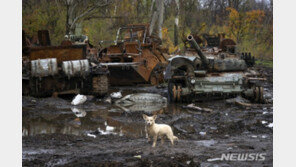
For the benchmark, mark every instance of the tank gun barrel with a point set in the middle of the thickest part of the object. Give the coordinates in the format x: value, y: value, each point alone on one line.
x: 194, y: 44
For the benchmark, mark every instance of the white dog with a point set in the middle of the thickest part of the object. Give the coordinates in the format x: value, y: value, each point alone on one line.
x: 156, y: 130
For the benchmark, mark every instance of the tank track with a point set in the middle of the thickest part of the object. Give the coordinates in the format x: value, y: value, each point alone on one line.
x: 100, y: 85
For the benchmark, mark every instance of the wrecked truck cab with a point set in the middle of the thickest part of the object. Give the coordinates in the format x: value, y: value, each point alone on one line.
x: 207, y: 75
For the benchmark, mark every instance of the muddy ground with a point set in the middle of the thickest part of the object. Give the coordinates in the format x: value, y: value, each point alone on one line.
x: 102, y: 134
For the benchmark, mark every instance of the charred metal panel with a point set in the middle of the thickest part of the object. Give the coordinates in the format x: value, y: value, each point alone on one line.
x: 61, y: 53
x: 136, y: 47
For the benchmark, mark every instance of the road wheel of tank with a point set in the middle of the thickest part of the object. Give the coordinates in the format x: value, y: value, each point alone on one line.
x: 171, y: 92
x: 261, y: 94
x: 258, y: 94
x: 100, y: 85
x: 179, y: 93
x: 175, y: 93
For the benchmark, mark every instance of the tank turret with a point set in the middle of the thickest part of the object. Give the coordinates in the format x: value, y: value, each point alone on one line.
x: 194, y: 44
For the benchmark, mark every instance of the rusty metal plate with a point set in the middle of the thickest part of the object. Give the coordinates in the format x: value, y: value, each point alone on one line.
x: 61, y: 53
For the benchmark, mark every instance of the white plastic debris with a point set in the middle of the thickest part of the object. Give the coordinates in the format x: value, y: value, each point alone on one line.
x: 263, y: 122
x: 79, y: 112
x: 138, y: 156
x: 270, y: 125
x: 91, y: 135
x: 214, y: 159
x: 79, y: 99
x: 202, y: 133
x: 108, y: 100
x: 116, y: 95
x: 109, y: 128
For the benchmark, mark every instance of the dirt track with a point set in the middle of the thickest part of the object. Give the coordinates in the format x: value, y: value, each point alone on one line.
x: 54, y: 136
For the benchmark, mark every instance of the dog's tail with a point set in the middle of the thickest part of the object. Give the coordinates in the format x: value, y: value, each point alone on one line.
x: 175, y: 138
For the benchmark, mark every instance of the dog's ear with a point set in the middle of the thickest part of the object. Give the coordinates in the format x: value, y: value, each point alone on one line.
x: 154, y: 117
x: 145, y: 117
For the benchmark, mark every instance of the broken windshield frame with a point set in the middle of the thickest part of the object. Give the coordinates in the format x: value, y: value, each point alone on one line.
x: 133, y: 33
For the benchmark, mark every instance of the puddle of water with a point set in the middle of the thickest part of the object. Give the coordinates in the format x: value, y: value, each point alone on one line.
x: 105, y: 120
x: 96, y: 119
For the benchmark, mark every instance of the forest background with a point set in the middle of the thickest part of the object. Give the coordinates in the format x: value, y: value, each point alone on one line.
x: 248, y: 22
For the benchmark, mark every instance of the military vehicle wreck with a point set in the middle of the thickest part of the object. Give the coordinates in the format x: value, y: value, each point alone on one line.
x: 146, y: 102
x: 135, y: 58
x: 213, y: 72
x: 65, y: 69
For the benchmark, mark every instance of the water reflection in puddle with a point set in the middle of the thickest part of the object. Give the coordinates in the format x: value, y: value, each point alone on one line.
x: 94, y: 119
x: 107, y: 120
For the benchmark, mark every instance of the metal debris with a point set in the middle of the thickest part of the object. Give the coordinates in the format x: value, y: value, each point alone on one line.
x: 194, y: 107
x: 147, y: 102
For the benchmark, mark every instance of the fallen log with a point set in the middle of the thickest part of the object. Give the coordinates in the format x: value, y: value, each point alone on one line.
x: 194, y: 107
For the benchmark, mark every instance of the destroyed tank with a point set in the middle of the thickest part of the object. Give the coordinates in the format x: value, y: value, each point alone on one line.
x: 135, y: 57
x: 65, y: 69
x: 215, y: 71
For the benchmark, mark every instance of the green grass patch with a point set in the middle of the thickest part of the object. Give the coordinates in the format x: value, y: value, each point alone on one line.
x: 265, y: 63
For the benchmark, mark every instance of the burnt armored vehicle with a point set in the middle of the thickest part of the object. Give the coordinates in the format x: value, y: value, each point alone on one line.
x: 212, y: 73
x: 65, y: 69
x: 135, y: 57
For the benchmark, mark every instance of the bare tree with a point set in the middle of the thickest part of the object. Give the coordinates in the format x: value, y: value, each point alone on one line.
x: 157, y: 10
x: 176, y: 25
x: 79, y: 9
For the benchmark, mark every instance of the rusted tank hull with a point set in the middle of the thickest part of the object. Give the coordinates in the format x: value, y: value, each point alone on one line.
x: 61, y: 53
x: 120, y: 76
x: 144, y: 69
x: 49, y: 86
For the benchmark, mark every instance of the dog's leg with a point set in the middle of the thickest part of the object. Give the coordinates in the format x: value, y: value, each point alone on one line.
x: 147, y: 135
x: 154, y: 140
x: 171, y: 138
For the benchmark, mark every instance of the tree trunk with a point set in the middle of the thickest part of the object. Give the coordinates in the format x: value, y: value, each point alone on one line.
x: 176, y: 25
x: 67, y: 21
x: 160, y: 17
x: 153, y: 18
